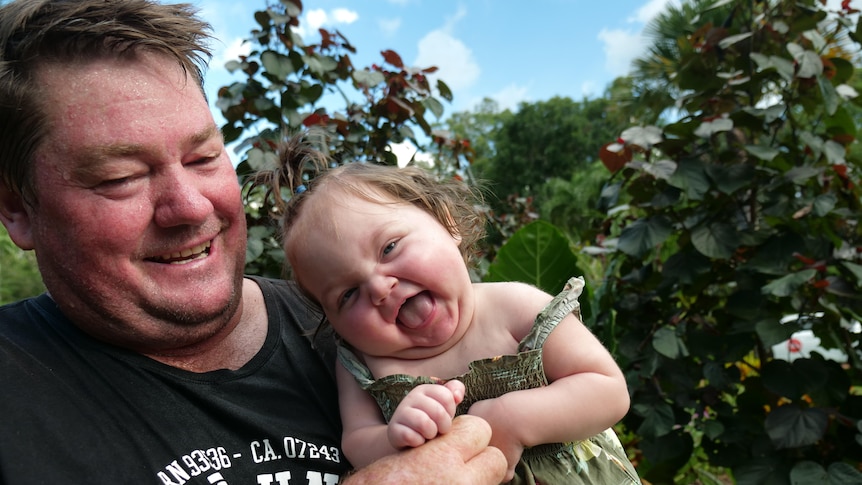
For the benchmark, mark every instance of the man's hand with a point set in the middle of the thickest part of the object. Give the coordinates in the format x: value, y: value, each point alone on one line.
x: 461, y: 456
x: 425, y: 413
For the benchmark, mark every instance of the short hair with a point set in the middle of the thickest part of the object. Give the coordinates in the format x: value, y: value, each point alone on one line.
x: 35, y: 33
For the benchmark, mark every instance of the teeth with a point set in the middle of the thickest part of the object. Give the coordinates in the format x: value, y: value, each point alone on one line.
x: 199, y: 251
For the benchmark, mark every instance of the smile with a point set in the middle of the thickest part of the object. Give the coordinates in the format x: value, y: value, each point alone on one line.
x: 186, y: 255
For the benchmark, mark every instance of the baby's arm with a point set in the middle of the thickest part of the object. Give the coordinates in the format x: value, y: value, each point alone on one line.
x: 424, y: 413
x: 587, y: 391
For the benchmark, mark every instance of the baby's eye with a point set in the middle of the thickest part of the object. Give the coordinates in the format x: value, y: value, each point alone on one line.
x: 346, y: 296
x: 389, y: 248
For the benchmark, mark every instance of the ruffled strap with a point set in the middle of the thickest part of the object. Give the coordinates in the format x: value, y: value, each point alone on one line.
x: 353, y: 365
x: 554, y: 312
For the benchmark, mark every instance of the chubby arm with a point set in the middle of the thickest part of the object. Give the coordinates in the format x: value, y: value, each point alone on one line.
x: 425, y: 413
x: 587, y: 391
x: 460, y: 457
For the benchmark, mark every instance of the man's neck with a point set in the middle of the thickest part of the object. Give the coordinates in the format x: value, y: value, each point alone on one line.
x: 236, y: 347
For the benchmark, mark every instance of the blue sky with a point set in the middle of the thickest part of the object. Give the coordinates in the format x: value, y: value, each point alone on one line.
x: 509, y: 51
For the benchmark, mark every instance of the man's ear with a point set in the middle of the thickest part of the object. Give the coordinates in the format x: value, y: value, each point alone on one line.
x: 14, y: 215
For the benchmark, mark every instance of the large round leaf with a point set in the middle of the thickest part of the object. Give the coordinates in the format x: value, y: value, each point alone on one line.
x: 538, y: 254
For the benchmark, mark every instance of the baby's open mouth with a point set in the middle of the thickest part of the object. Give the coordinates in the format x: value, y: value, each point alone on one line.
x: 416, y: 310
x: 184, y: 256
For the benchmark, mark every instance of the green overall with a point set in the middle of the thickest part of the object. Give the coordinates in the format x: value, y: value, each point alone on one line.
x: 600, y: 459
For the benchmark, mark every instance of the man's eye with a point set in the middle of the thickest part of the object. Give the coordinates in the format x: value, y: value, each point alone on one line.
x: 204, y: 160
x: 115, y: 182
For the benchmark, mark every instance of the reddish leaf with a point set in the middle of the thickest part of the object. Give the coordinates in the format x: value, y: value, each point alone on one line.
x: 393, y: 58
x: 614, y: 160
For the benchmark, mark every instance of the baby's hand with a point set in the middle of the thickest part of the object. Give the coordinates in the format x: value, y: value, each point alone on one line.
x: 424, y: 413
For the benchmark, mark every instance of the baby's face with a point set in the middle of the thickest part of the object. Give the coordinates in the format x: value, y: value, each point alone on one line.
x: 389, y: 277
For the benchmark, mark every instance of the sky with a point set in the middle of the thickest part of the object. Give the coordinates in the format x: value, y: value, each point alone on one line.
x: 509, y: 51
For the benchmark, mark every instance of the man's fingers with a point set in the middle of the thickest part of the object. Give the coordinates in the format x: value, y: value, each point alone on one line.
x: 489, y: 466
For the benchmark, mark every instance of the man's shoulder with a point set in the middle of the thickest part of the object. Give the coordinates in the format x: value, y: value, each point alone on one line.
x: 27, y: 316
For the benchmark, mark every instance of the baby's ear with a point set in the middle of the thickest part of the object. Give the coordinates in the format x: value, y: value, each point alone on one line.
x: 16, y: 218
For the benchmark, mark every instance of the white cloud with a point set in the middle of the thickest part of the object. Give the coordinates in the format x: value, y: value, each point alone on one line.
x: 455, y: 61
x: 389, y: 26
x: 317, y: 18
x: 590, y: 89
x: 344, y: 16
x: 510, y: 96
x: 651, y: 9
x: 620, y: 47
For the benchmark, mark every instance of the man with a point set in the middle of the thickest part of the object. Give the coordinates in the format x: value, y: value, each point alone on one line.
x: 151, y: 359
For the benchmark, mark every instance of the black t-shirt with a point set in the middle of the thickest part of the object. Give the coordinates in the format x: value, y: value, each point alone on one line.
x: 74, y: 410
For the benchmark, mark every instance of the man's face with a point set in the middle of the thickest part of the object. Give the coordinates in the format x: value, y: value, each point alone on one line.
x: 138, y: 227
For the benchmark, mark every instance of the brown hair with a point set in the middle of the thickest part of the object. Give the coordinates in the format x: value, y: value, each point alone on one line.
x: 304, y: 171
x: 35, y: 33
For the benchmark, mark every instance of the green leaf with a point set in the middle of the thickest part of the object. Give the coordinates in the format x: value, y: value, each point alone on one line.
x: 841, y: 473
x: 730, y: 178
x: 764, y: 153
x: 801, y: 175
x: 277, y: 65
x: 368, y: 78
x: 320, y: 65
x: 254, y: 247
x: 658, y: 419
x: 807, y: 472
x: 685, y: 266
x: 834, y: 152
x: 644, y: 234
x: 434, y: 105
x: 790, y: 426
x: 831, y: 99
x: 716, y: 240
x: 788, y: 284
x: 667, y: 343
x: 690, y: 176
x: 444, y: 90
x: 771, y: 332
x: 808, y: 62
x: 538, y: 254
x: 855, y: 269
x: 733, y: 39
x: 823, y: 204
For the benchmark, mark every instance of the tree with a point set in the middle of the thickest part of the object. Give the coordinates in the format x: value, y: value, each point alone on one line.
x: 543, y: 140
x: 649, y: 93
x: 286, y: 83
x: 743, y: 211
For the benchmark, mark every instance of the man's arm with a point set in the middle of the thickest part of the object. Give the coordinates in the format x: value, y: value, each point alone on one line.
x: 461, y: 456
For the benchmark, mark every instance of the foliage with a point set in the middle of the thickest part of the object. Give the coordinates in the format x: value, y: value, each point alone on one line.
x: 542, y: 140
x: 289, y: 86
x: 743, y: 210
x: 19, y: 275
x: 649, y: 93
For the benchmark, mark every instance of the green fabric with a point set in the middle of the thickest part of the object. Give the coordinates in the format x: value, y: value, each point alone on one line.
x: 600, y: 459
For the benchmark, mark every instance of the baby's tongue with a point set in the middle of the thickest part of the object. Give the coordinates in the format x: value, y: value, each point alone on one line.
x: 416, y: 310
